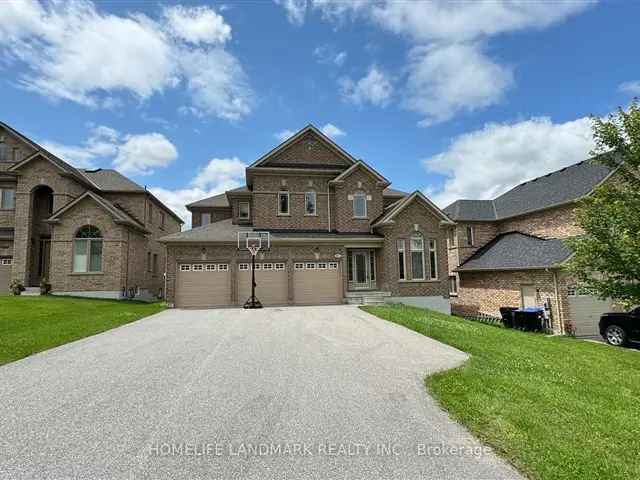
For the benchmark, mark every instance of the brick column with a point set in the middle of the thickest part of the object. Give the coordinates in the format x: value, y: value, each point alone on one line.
x: 22, y: 234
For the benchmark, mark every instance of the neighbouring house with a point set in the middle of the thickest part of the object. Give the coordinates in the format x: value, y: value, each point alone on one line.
x: 510, y: 251
x: 85, y: 232
x: 338, y: 233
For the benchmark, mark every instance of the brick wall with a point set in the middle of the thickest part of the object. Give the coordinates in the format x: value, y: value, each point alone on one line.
x: 217, y: 214
x: 403, y: 228
x: 13, y: 143
x: 342, y: 207
x: 552, y: 223
x: 308, y: 150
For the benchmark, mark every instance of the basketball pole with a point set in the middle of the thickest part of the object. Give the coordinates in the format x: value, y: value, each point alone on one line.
x: 253, y: 302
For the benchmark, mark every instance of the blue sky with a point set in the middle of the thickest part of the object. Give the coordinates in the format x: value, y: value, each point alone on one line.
x: 455, y: 99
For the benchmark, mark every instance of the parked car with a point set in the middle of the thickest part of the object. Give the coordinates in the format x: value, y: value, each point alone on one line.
x: 619, y: 328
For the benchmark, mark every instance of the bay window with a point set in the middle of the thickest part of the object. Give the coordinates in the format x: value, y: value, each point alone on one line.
x: 401, y: 260
x: 417, y: 257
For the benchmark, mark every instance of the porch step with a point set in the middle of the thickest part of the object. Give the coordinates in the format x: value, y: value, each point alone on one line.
x: 31, y: 292
x: 367, y: 298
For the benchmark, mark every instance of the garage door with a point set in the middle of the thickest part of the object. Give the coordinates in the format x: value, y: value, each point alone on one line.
x: 271, y: 279
x: 585, y: 311
x: 317, y: 283
x: 5, y: 274
x: 203, y: 285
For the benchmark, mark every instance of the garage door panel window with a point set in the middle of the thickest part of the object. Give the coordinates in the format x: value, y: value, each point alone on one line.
x: 310, y: 266
x: 7, y: 261
x: 87, y: 250
x: 243, y: 267
x: 211, y: 267
x: 279, y: 266
x: 185, y: 268
x: 223, y: 267
x: 267, y: 266
x: 198, y: 267
x: 333, y: 265
x: 298, y: 266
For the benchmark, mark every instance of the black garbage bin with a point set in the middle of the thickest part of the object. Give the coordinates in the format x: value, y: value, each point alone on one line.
x: 529, y: 319
x: 507, y: 316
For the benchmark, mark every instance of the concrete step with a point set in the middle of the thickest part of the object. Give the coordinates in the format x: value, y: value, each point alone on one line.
x: 367, y: 293
x: 31, y: 292
x: 373, y: 300
x: 367, y: 297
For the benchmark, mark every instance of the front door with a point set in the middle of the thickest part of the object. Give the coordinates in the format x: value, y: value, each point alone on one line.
x: 361, y: 276
x: 529, y: 296
x: 44, y: 259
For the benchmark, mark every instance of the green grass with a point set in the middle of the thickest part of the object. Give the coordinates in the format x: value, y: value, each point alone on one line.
x: 555, y: 407
x: 33, y: 324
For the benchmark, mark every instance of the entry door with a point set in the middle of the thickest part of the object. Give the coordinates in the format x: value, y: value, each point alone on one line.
x: 529, y: 296
x: 360, y: 265
x: 45, y: 258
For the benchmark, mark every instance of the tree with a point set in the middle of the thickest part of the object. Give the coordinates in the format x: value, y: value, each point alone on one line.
x: 607, y: 257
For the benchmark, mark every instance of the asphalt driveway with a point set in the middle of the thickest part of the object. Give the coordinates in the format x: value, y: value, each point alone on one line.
x: 283, y: 393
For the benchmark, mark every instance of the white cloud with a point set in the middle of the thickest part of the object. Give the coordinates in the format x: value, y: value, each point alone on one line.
x: 327, y: 55
x: 284, y: 134
x: 130, y: 154
x: 141, y: 154
x: 75, y: 52
x: 296, y: 10
x: 439, y: 86
x: 632, y: 87
x: 330, y: 130
x: 197, y: 24
x: 485, y: 163
x: 443, y: 20
x: 218, y: 176
x: 374, y: 88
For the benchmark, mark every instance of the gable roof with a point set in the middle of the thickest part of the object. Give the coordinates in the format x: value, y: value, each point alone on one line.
x: 388, y: 216
x: 360, y: 165
x: 119, y: 215
x: 294, y: 138
x: 391, y: 193
x: 109, y: 180
x: 517, y: 251
x: 556, y: 188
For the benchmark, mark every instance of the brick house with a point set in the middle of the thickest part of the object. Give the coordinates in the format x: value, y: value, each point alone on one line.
x: 337, y: 234
x: 510, y: 251
x: 87, y: 232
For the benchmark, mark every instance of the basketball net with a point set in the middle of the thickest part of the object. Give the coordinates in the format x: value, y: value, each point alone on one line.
x: 253, y: 249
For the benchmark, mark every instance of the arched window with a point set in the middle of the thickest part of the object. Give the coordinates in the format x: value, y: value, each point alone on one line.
x: 360, y: 205
x: 417, y: 257
x: 87, y: 250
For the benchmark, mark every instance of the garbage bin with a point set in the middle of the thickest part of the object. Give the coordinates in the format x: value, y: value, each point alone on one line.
x: 529, y: 319
x: 507, y: 316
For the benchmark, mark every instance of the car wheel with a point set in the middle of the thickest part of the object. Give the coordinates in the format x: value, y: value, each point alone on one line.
x: 615, y: 335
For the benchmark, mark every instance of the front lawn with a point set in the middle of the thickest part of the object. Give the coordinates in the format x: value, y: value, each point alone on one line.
x: 32, y: 324
x: 556, y: 407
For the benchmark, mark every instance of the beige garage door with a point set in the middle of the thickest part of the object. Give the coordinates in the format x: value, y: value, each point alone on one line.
x: 585, y: 311
x: 317, y: 283
x: 271, y: 279
x: 5, y: 274
x: 203, y: 285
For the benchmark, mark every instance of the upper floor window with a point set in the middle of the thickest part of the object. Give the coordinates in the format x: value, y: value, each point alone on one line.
x: 452, y: 237
x: 310, y: 203
x: 470, y: 235
x: 7, y: 199
x: 205, y: 218
x: 417, y: 257
x: 4, y: 151
x: 453, y: 285
x: 87, y: 250
x: 283, y: 203
x: 161, y: 219
x: 243, y: 210
x: 16, y: 154
x: 360, y: 205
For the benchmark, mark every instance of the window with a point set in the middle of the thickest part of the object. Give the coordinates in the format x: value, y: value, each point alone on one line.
x: 7, y: 261
x: 279, y: 266
x: 211, y: 267
x: 87, y: 250
x: 185, y: 268
x: 322, y: 266
x: 360, y: 205
x: 257, y: 266
x: 198, y: 267
x: 417, y: 257
x: 243, y: 210
x: 298, y: 266
x: 333, y: 265
x: 453, y: 285
x: 469, y: 238
x: 452, y: 237
x: 148, y: 261
x: 267, y: 266
x: 155, y: 264
x: 205, y: 218
x: 7, y: 199
x: 161, y: 219
x: 310, y: 203
x: 283, y: 203
x: 401, y: 259
x: 310, y: 266
x: 433, y: 260
x: 223, y: 267
x: 243, y: 267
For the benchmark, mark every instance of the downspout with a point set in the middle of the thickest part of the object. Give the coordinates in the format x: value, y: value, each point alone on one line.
x: 328, y: 207
x: 126, y: 272
x: 557, y: 294
x: 166, y: 269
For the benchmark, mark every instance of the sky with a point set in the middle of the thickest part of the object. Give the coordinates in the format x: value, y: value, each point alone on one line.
x: 456, y: 99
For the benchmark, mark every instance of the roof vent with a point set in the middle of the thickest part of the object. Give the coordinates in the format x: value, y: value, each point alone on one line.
x: 93, y: 171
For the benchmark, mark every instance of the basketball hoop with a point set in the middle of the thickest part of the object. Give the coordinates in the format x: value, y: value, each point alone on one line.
x: 254, y: 245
